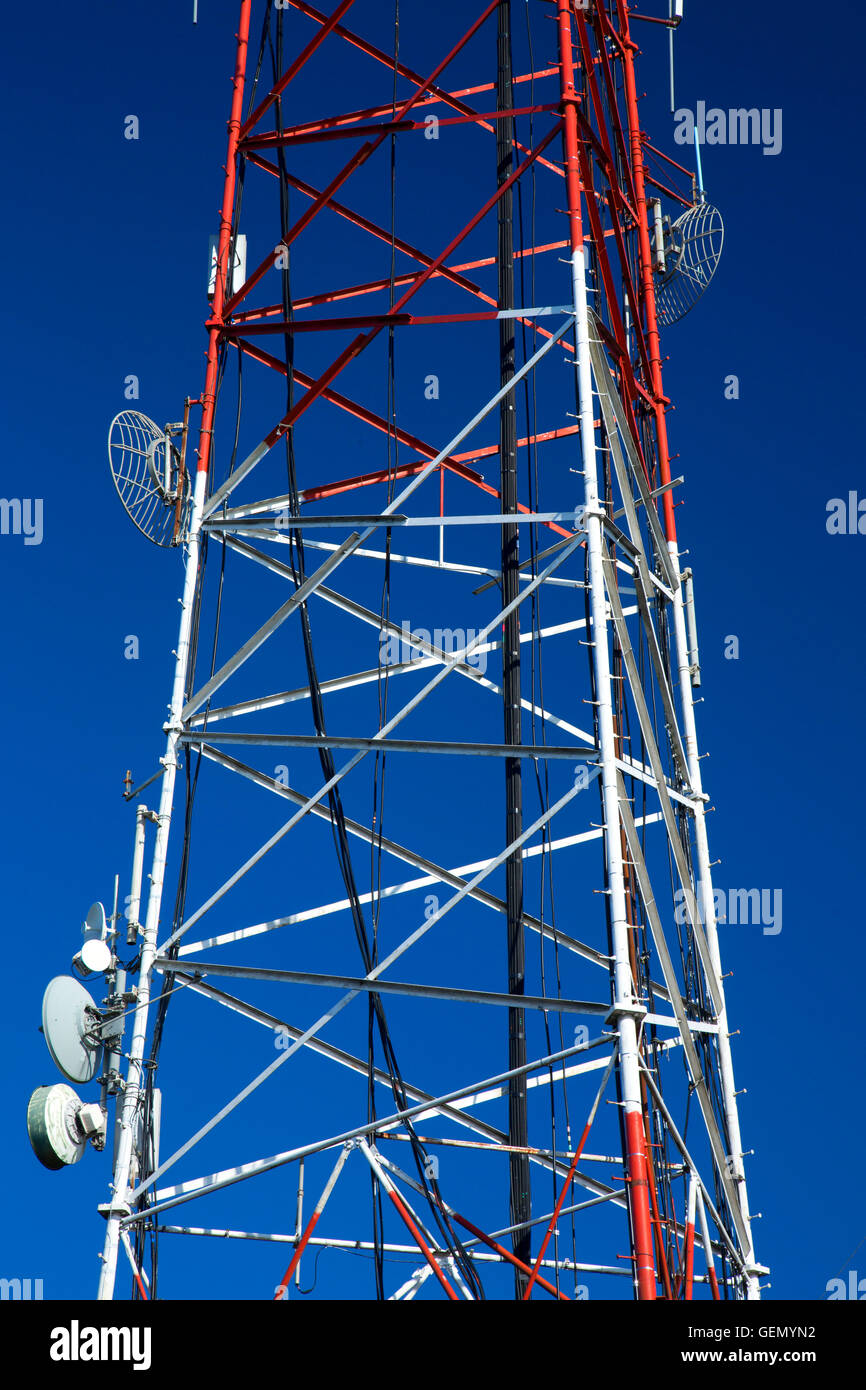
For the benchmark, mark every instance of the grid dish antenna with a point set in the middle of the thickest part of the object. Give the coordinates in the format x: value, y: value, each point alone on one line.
x: 147, y: 472
x: 692, y: 255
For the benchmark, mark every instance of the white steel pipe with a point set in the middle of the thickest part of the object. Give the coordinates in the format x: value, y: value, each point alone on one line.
x: 121, y: 1183
x: 625, y: 1002
x: 134, y: 905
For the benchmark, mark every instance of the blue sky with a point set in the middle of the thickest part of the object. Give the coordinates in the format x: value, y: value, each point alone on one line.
x: 106, y: 258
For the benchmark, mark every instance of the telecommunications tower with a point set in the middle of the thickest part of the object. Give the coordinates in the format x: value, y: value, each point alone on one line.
x: 422, y: 995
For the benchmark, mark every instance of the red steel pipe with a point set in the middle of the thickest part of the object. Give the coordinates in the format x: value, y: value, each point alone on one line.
x: 646, y: 267
x: 421, y: 1243
x: 636, y: 1166
x: 215, y: 323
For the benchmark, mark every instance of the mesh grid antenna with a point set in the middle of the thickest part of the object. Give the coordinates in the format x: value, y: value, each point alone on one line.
x: 697, y: 239
x: 145, y: 467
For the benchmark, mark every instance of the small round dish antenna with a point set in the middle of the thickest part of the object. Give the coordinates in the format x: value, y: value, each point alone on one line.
x: 95, y: 923
x: 692, y: 255
x: 145, y: 466
x: 55, y: 1135
x: 95, y: 955
x: 94, y: 958
x: 70, y: 1022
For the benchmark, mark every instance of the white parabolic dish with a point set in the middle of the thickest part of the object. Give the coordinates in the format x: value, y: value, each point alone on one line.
x: 67, y: 1020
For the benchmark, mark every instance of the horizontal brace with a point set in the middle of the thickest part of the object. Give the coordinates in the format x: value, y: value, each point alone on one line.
x: 342, y: 1058
x: 230, y: 522
x: 397, y: 745
x: 252, y: 325
x: 656, y: 492
x: 300, y: 523
x: 433, y: 872
x: 662, y: 1020
x: 393, y: 1248
x: 253, y: 510
x: 214, y: 1182
x: 203, y: 968
x: 274, y: 140
x: 498, y: 519
x: 427, y: 562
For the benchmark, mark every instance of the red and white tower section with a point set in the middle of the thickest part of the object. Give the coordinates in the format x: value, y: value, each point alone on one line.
x: 427, y: 968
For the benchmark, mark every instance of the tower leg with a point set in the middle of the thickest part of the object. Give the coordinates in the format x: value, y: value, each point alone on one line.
x: 625, y: 1005
x: 118, y: 1206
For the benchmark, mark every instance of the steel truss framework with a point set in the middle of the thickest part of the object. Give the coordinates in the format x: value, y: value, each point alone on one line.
x: 583, y: 526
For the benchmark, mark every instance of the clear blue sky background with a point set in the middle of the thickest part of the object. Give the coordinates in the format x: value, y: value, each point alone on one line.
x: 105, y: 254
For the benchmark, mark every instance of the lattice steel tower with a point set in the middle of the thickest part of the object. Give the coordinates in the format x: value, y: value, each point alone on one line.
x: 435, y: 1003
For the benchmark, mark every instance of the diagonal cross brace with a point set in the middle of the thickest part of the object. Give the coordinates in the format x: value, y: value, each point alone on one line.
x: 648, y: 732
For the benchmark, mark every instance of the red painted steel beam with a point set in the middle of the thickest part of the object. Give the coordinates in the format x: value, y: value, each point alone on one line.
x: 450, y: 273
x: 621, y: 200
x: 215, y: 323
x: 369, y: 147
x: 604, y: 262
x: 420, y: 1241
x: 607, y: 30
x: 670, y: 192
x: 661, y: 154
x: 359, y: 221
x: 360, y: 321
x: 381, y: 475
x: 638, y: 1185
x: 276, y: 140
x: 491, y: 1244
x: 690, y: 1261
x: 283, y: 1286
x: 507, y: 1255
x: 452, y: 463
x: 525, y: 77
x: 437, y: 93
x: 572, y: 1169
x: 377, y: 112
x: 598, y: 238
x: 653, y: 19
x: 386, y: 59
x: 646, y: 267
x: 351, y: 407
x: 310, y: 301
x: 360, y: 157
x: 294, y: 68
x: 656, y: 1215
x: 618, y: 197
x: 358, y: 344
x: 518, y: 255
